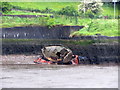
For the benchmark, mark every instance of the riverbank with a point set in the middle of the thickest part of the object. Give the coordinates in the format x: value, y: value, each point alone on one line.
x: 96, y: 51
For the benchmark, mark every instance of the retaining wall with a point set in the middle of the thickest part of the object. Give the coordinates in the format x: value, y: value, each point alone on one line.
x: 40, y: 32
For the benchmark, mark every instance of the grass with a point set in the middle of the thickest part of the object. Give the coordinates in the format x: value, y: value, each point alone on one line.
x: 108, y: 10
x: 43, y: 42
x: 54, y: 42
x: 108, y: 27
x: 43, y: 5
x: 15, y: 12
x: 8, y: 21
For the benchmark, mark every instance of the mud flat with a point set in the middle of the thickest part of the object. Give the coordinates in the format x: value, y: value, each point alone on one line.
x: 19, y: 71
x: 18, y: 59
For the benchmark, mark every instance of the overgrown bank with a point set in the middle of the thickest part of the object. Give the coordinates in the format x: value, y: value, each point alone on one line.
x: 107, y: 27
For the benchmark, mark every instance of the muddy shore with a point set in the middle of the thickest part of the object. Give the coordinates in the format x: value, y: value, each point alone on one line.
x: 103, y: 51
x: 19, y: 71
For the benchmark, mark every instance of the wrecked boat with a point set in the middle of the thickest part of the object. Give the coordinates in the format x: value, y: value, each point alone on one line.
x: 58, y: 55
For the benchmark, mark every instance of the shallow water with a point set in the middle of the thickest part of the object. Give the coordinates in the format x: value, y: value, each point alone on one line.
x: 29, y: 75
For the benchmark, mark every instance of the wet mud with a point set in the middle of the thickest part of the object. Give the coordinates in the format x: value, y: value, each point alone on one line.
x: 19, y: 71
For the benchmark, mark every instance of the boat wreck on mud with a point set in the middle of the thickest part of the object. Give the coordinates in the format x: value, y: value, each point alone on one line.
x: 58, y: 55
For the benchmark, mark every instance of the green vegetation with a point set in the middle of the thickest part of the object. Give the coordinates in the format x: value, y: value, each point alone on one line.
x: 54, y: 42
x: 8, y: 21
x: 43, y: 5
x: 6, y: 7
x: 14, y: 12
x: 69, y: 11
x: 107, y: 27
x: 49, y: 7
x: 108, y: 10
x: 64, y: 13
